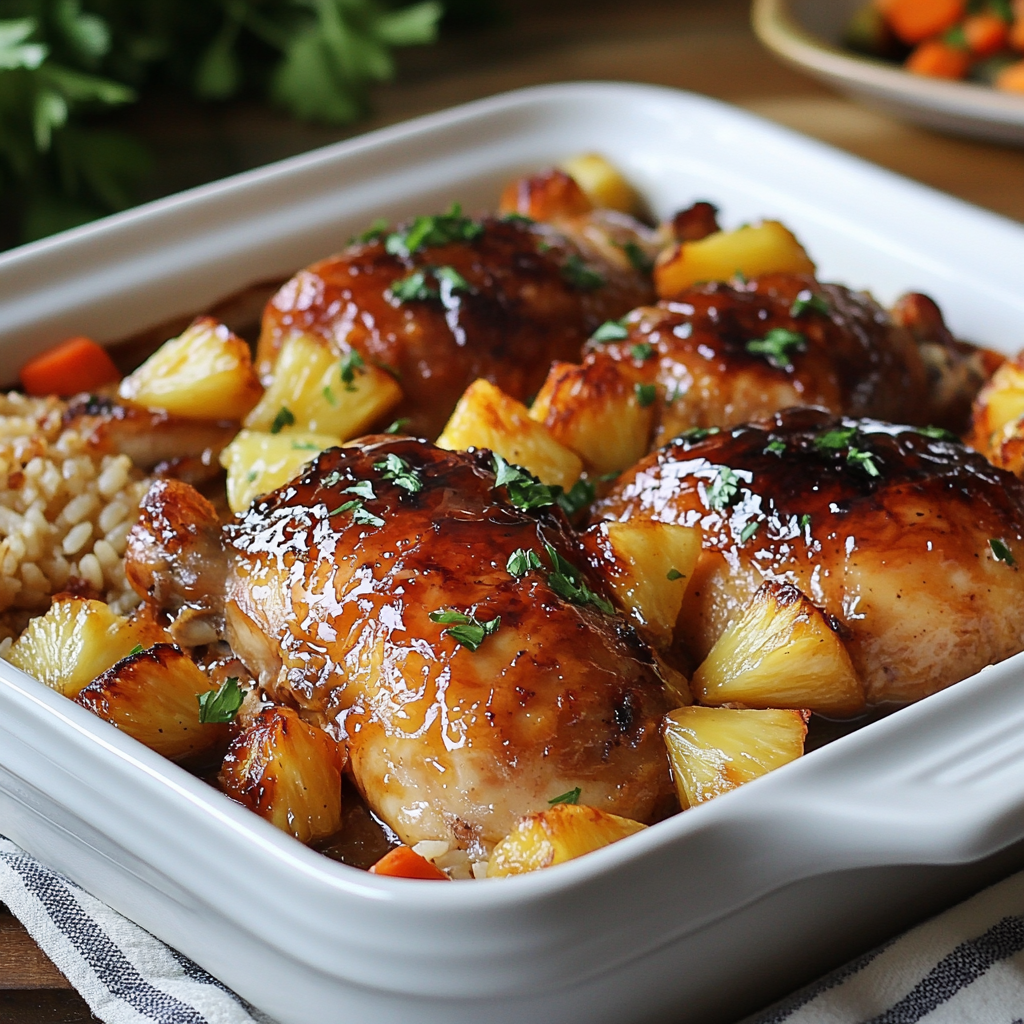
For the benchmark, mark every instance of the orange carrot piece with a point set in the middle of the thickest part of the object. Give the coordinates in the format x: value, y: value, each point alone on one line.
x: 405, y: 862
x: 75, y: 365
x: 985, y: 34
x: 916, y: 20
x: 1012, y: 78
x: 937, y: 59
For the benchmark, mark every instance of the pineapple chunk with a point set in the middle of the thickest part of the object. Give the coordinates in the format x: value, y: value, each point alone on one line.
x: 488, y: 418
x: 204, y: 374
x: 998, y: 410
x: 288, y: 772
x: 780, y: 653
x: 603, y: 182
x: 713, y: 750
x: 764, y: 248
x: 593, y: 410
x: 153, y: 696
x: 258, y: 463
x: 313, y: 390
x: 564, y: 832
x: 648, y: 566
x: 73, y: 643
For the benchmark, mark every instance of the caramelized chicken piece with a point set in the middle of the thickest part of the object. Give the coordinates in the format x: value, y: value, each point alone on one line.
x: 911, y: 542
x: 446, y: 300
x: 374, y: 593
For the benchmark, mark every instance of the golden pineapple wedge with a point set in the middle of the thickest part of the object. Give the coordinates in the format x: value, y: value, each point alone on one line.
x: 604, y: 184
x: 752, y: 250
x: 258, y: 462
x: 647, y: 564
x: 206, y: 373
x: 780, y: 652
x: 153, y: 696
x: 562, y: 833
x: 713, y: 750
x: 315, y: 391
x: 594, y: 410
x: 288, y: 772
x: 73, y: 643
x: 997, y: 430
x: 488, y: 418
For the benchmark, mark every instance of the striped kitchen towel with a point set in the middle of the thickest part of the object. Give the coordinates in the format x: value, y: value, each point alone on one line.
x: 123, y: 973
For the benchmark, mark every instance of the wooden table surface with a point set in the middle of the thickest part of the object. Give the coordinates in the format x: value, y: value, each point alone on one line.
x: 705, y: 46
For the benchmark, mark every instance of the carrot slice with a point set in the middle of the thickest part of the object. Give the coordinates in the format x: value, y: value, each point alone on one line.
x: 986, y: 34
x: 938, y: 60
x: 405, y: 862
x: 75, y: 365
x: 1012, y: 79
x: 916, y: 20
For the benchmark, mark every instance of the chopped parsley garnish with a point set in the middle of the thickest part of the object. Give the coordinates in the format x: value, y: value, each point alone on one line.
x: 351, y: 363
x: 805, y: 521
x: 725, y: 489
x: 865, y: 460
x: 1001, y: 551
x: 376, y: 231
x: 610, y: 330
x: 777, y: 345
x: 329, y: 395
x: 363, y: 488
x: 413, y: 288
x: 332, y: 478
x: 360, y: 515
x: 843, y: 437
x: 517, y: 218
x: 673, y: 575
x: 284, y: 418
x: 521, y: 561
x: 642, y: 350
x: 450, y: 276
x: 576, y: 273
x: 572, y: 797
x: 638, y: 259
x: 578, y: 497
x: 396, y: 470
x: 465, y: 629
x: 749, y: 530
x: 937, y: 433
x: 217, y: 707
x: 739, y: 277
x: 137, y: 649
x: 808, y: 300
x: 567, y: 581
x: 698, y: 433
x: 441, y: 229
x: 645, y: 394
x: 832, y: 440
x: 525, y: 491
x: 775, y: 446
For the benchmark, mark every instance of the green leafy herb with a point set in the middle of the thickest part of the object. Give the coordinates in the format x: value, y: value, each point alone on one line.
x: 221, y: 705
x: 577, y: 498
x: 517, y: 218
x: 808, y: 300
x: 572, y: 797
x: 864, y: 460
x: 938, y: 433
x: 329, y: 395
x: 450, y: 276
x: 639, y: 260
x: 440, y: 229
x: 360, y: 515
x: 724, y: 490
x: 413, y: 288
x: 673, y: 575
x: 521, y: 561
x: 698, y: 434
x: 374, y: 233
x: 835, y: 439
x: 775, y: 446
x: 567, y: 581
x: 610, y: 330
x: 284, y: 418
x: 576, y: 273
x: 363, y: 488
x: 777, y: 346
x: 525, y: 491
x: 137, y: 649
x: 397, y: 427
x: 351, y: 364
x: 739, y: 277
x: 467, y: 630
x: 805, y: 521
x: 749, y: 530
x: 645, y: 394
x: 332, y: 478
x: 396, y: 470
x: 642, y: 350
x: 1001, y: 551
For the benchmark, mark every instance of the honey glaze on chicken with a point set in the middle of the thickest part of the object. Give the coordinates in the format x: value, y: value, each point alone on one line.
x: 909, y: 540
x: 345, y: 592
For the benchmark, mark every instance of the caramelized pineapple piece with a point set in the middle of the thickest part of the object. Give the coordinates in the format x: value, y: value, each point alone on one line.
x: 996, y: 429
x: 547, y: 195
x: 562, y: 833
x: 488, y: 418
x: 153, y: 696
x: 603, y: 182
x: 315, y: 391
x: 288, y: 772
x: 258, y: 463
x: 713, y: 750
x: 780, y: 653
x: 594, y: 410
x: 206, y: 373
x: 648, y: 566
x: 72, y: 643
x: 764, y: 248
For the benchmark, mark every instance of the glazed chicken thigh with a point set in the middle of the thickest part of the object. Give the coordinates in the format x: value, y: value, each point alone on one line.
x: 376, y: 594
x: 908, y: 540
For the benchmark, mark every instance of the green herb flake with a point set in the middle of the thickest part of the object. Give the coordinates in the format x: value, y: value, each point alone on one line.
x: 521, y: 561
x: 397, y: 427
x: 642, y: 350
x: 466, y: 630
x: 396, y: 470
x: 305, y: 446
x: 517, y: 218
x: 1001, y: 551
x: 807, y: 300
x: 863, y: 460
x: 351, y: 363
x: 577, y: 498
x: 937, y: 434
x: 673, y: 575
x: 329, y: 396
x: 777, y: 346
x: 332, y: 478
x: 805, y: 521
x: 455, y: 281
x: 413, y: 288
x: 739, y: 277
x: 441, y: 229
x: 363, y: 488
x: 610, y: 330
x: 695, y: 434
x: 724, y: 491
x: 360, y: 515
x: 284, y: 418
x: 576, y: 273
x: 374, y: 233
x: 572, y: 797
x: 749, y: 530
x: 775, y: 446
x: 525, y: 491
x: 567, y: 581
x: 137, y: 649
x: 833, y: 440
x: 218, y: 707
x: 645, y: 394
x: 639, y: 260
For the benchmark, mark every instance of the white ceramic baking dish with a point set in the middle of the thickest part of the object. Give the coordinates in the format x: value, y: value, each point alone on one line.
x: 700, y: 918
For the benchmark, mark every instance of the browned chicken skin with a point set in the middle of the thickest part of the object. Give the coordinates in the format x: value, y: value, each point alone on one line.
x: 330, y: 604
x: 919, y: 564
